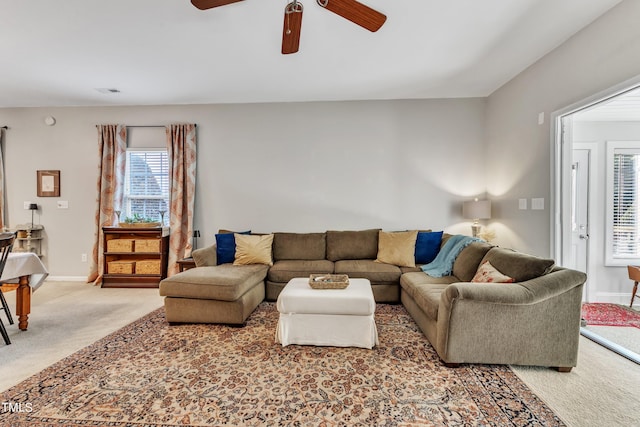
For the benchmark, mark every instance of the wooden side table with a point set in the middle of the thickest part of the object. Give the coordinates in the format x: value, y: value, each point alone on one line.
x: 186, y: 263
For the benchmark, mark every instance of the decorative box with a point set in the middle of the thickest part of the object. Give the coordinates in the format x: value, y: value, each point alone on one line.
x: 120, y: 245
x: 146, y: 245
x: 148, y: 266
x: 121, y: 267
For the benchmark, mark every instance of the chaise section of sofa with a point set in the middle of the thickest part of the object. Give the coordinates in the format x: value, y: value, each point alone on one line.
x: 214, y: 294
x: 534, y: 321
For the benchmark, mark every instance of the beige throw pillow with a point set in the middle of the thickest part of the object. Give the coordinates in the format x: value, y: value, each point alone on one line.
x: 397, y: 248
x: 251, y: 249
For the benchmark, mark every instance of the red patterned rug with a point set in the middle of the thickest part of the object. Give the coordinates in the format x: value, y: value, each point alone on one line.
x: 152, y: 374
x: 605, y: 314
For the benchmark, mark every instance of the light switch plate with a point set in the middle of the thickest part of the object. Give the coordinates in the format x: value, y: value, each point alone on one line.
x: 63, y: 204
x: 537, y: 204
x: 522, y: 204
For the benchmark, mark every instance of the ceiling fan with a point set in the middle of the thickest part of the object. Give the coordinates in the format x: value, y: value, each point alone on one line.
x: 352, y: 10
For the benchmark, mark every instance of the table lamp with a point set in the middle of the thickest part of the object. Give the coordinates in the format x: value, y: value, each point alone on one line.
x: 32, y: 207
x: 196, y: 234
x: 476, y: 210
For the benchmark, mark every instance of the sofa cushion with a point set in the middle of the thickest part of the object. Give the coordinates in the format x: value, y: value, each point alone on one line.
x: 299, y: 246
x: 427, y: 246
x: 285, y: 270
x: 397, y: 248
x: 377, y: 273
x: 467, y: 262
x: 487, y: 273
x: 410, y: 269
x: 520, y: 266
x: 352, y: 244
x: 253, y: 249
x: 225, y: 282
x: 413, y: 279
x: 426, y: 290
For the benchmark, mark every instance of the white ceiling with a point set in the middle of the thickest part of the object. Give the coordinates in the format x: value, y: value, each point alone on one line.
x: 57, y: 53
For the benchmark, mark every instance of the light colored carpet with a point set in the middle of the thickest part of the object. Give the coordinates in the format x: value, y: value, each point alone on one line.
x: 67, y: 316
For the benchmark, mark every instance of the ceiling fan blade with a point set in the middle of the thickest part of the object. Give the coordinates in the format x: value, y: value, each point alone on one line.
x: 355, y: 12
x: 208, y: 4
x: 292, y: 27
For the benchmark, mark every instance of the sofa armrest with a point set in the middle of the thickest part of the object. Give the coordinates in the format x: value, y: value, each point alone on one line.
x: 529, y: 292
x: 535, y: 322
x: 205, y: 257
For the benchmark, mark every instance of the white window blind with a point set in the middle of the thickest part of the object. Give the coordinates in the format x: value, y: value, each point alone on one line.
x: 623, y: 213
x: 147, y: 184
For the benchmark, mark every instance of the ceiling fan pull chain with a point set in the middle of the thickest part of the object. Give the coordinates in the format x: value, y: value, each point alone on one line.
x: 287, y: 14
x: 293, y: 7
x: 322, y: 3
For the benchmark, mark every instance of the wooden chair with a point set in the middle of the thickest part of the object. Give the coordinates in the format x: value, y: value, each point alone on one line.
x: 634, y: 274
x: 6, y: 244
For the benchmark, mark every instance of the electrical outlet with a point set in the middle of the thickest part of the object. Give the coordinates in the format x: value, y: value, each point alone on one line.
x: 537, y: 204
x: 26, y: 205
x: 83, y: 257
x: 522, y: 204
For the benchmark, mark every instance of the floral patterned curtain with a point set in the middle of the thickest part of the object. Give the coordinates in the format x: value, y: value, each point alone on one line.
x: 112, y: 149
x: 181, y: 148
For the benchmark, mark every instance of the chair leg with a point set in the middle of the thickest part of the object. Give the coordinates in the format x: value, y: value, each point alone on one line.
x: 4, y: 333
x: 633, y: 294
x: 5, y: 306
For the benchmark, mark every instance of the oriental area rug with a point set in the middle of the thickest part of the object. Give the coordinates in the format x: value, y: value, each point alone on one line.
x: 605, y: 314
x: 152, y: 374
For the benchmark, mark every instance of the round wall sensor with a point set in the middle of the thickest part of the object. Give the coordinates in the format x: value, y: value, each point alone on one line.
x: 50, y: 121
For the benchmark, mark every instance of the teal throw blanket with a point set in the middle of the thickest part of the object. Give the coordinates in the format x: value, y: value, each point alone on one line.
x: 442, y: 265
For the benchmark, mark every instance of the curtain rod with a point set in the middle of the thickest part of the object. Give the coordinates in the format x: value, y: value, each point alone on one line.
x: 140, y: 126
x: 149, y: 126
x: 146, y: 126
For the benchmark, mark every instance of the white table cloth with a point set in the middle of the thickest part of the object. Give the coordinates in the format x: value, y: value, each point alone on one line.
x: 327, y: 317
x: 25, y: 264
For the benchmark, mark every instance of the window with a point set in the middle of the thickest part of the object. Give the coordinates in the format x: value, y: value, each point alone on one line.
x: 623, y: 203
x: 146, y: 186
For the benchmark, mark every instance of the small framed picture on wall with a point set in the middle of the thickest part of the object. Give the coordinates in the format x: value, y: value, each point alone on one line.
x: 48, y: 183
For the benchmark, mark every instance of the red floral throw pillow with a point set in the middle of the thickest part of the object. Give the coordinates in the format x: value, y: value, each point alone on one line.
x: 487, y: 273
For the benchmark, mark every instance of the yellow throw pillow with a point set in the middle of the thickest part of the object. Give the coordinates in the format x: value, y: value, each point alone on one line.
x: 397, y: 248
x: 251, y: 249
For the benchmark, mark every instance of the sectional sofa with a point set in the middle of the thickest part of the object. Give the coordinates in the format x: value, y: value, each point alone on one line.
x: 533, y: 321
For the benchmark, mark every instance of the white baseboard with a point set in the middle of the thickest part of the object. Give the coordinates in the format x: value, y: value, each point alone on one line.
x: 613, y: 297
x: 66, y: 278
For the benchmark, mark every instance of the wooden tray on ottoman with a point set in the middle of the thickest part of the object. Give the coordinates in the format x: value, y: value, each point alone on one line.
x: 328, y: 281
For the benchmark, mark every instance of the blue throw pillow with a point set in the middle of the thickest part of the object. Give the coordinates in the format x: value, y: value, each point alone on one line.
x: 226, y: 247
x: 427, y: 246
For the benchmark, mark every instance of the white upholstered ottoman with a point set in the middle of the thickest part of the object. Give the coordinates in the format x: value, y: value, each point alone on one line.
x: 327, y: 317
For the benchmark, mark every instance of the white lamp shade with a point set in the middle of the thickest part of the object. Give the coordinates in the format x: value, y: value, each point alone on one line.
x: 477, y: 209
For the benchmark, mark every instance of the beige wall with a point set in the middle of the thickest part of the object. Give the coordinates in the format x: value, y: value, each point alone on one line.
x: 519, y: 160
x: 265, y: 167
x: 312, y: 166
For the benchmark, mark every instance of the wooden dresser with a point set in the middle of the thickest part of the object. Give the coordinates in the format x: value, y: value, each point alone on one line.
x: 135, y: 257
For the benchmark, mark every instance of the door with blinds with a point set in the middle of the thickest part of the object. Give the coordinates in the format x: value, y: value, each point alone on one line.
x: 623, y: 213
